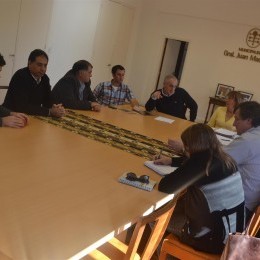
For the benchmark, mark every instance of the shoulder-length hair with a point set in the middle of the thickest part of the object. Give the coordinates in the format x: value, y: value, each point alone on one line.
x: 236, y: 96
x: 201, y: 138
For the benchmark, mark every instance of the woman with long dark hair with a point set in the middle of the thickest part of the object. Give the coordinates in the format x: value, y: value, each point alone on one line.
x: 213, y: 204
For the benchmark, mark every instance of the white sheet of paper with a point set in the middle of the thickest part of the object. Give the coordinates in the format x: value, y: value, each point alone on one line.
x: 224, y: 140
x: 164, y: 119
x: 225, y: 132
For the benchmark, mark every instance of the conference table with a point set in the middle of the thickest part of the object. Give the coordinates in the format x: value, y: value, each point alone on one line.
x: 59, y: 192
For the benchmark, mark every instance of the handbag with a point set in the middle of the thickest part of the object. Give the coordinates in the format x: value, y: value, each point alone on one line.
x: 240, y: 246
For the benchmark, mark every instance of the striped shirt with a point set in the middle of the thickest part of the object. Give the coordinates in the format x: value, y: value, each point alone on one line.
x: 107, y: 95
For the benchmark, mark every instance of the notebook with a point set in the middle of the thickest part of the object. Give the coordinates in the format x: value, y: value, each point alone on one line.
x: 160, y: 169
x: 144, y: 186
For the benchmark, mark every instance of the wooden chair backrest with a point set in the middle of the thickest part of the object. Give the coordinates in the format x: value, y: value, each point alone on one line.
x: 254, y: 225
x: 160, y: 219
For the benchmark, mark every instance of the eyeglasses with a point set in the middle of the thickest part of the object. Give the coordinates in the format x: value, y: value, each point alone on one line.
x: 133, y: 177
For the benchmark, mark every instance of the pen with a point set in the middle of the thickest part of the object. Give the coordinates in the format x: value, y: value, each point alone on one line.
x: 113, y: 107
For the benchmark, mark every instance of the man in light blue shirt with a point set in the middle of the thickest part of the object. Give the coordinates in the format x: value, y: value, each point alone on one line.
x: 246, y: 152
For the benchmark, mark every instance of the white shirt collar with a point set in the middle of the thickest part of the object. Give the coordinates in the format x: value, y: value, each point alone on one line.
x: 166, y: 95
x: 37, y: 80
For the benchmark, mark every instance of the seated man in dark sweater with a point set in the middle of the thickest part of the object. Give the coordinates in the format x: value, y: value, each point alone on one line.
x: 172, y: 100
x: 29, y: 89
x: 73, y: 90
x: 8, y: 118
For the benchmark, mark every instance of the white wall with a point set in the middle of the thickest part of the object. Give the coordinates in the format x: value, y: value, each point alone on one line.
x: 119, y: 45
x: 113, y: 35
x: 32, y: 29
x: 9, y: 18
x: 170, y: 59
x: 210, y: 27
x: 71, y: 36
x: 72, y: 33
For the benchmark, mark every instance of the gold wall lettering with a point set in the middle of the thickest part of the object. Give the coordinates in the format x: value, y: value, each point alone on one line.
x: 248, y: 54
x: 243, y: 54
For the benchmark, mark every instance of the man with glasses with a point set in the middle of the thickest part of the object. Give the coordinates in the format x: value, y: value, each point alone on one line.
x: 29, y: 89
x: 246, y: 152
x: 73, y: 90
x: 172, y: 100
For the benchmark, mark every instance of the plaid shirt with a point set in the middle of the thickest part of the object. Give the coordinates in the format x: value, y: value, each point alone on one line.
x: 107, y: 95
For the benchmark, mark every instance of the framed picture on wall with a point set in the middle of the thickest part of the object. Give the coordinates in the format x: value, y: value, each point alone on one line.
x: 246, y: 96
x: 223, y: 90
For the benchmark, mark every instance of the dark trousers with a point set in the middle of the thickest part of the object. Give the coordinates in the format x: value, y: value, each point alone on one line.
x: 249, y: 214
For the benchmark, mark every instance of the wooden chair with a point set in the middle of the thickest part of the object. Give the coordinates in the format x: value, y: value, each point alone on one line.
x: 172, y: 246
x: 115, y: 249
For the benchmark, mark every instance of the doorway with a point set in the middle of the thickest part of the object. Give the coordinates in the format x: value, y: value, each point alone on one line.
x: 173, y: 59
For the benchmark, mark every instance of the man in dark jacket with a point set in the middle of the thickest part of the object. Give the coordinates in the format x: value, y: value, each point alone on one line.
x: 172, y: 100
x: 73, y: 90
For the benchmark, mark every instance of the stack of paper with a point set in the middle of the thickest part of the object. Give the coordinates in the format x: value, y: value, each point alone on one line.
x: 225, y: 132
x: 224, y: 140
x: 225, y: 136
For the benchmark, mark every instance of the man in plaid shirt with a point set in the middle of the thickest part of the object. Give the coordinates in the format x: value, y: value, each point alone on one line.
x: 115, y: 92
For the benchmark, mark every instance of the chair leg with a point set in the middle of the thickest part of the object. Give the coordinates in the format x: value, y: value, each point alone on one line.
x: 163, y: 255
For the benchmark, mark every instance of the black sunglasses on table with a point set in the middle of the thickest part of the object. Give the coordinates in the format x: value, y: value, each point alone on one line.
x: 133, y: 177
